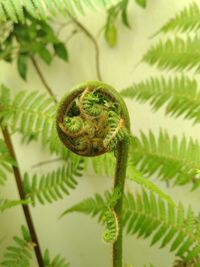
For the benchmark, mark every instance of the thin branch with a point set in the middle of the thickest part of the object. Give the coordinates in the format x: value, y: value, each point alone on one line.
x: 48, y: 88
x: 91, y: 37
x: 26, y: 210
x: 46, y: 162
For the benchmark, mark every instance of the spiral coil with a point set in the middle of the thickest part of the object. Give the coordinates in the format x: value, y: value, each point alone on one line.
x: 90, y: 120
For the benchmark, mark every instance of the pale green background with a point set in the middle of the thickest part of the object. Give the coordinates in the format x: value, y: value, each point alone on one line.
x: 78, y: 237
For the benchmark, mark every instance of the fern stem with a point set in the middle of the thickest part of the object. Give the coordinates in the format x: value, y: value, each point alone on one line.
x: 91, y: 37
x: 120, y: 174
x: 26, y: 209
x: 48, y: 88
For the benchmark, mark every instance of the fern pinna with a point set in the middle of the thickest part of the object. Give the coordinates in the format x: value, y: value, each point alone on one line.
x: 20, y: 254
x: 14, y: 10
x: 148, y: 216
x: 32, y: 114
x: 54, y: 185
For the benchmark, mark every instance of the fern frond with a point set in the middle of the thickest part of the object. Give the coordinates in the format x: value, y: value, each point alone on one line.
x: 147, y: 216
x: 112, y: 226
x: 187, y: 20
x: 57, y: 261
x: 182, y: 263
x: 168, y: 157
x: 177, y: 54
x: 134, y: 175
x: 6, y: 162
x: 13, y: 9
x: 7, y: 203
x: 54, y: 185
x: 179, y: 96
x: 90, y: 206
x: 19, y: 254
x: 33, y: 115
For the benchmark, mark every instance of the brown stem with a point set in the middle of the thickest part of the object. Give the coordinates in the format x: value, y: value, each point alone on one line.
x: 48, y: 88
x: 91, y: 37
x: 26, y: 210
x: 46, y: 162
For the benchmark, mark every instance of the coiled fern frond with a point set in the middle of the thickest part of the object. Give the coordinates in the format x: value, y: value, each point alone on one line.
x: 112, y: 227
x: 90, y: 120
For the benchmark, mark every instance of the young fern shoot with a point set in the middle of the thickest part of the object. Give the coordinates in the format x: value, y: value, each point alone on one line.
x: 92, y: 120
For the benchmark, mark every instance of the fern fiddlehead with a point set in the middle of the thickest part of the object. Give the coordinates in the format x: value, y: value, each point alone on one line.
x: 92, y: 120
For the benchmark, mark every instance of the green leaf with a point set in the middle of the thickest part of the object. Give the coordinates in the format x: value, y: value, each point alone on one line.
x: 141, y: 3
x: 22, y: 65
x: 61, y: 51
x: 45, y: 55
x: 111, y: 34
x: 124, y: 6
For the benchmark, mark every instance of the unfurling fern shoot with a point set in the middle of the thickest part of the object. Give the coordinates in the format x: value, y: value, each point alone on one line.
x: 92, y: 120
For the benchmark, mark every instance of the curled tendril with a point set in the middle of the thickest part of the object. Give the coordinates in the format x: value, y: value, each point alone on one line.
x: 90, y: 120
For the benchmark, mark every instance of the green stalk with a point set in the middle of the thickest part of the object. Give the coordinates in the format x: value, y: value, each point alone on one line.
x: 120, y: 175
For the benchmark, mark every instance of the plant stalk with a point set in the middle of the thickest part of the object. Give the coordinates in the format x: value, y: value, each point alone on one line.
x: 120, y: 175
x: 48, y: 88
x: 26, y: 209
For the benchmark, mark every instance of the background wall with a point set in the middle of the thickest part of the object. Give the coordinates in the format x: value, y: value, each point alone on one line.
x: 78, y: 237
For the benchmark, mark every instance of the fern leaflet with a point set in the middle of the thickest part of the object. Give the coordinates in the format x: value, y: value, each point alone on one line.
x: 14, y: 9
x: 52, y: 186
x: 20, y: 254
x: 57, y: 261
x: 7, y: 203
x: 33, y: 114
x: 186, y: 20
x: 147, y: 216
x: 180, y: 94
x: 167, y: 157
x: 178, y: 54
x: 5, y: 162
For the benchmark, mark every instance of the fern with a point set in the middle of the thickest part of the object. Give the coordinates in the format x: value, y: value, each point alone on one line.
x: 179, y: 96
x: 134, y: 175
x: 5, y: 162
x: 14, y: 9
x: 52, y: 186
x: 7, y: 203
x: 33, y: 114
x: 112, y: 226
x: 57, y: 261
x: 147, y: 216
x: 20, y: 254
x: 186, y: 20
x: 167, y: 157
x: 178, y: 54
